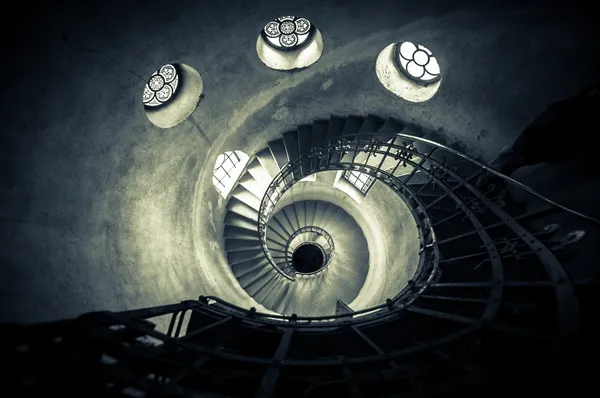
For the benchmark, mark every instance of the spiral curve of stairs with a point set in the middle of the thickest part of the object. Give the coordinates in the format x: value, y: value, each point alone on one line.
x: 317, y: 293
x: 491, y: 299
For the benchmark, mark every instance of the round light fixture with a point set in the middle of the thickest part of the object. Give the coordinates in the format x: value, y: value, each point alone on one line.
x: 162, y: 86
x: 171, y: 94
x: 409, y: 70
x: 417, y: 62
x: 288, y: 33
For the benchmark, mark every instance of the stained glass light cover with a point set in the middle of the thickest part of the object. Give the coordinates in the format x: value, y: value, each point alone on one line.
x: 287, y: 33
x: 417, y: 62
x: 162, y: 86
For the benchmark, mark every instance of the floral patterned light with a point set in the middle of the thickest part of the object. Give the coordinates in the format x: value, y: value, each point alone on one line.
x: 161, y: 87
x: 417, y: 62
x: 288, y: 32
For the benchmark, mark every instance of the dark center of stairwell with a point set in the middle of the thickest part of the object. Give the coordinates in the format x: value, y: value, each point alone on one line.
x: 308, y: 258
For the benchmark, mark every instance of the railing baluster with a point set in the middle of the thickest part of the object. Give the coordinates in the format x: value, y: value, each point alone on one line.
x: 206, y: 328
x: 414, y: 170
x: 351, y: 382
x: 269, y: 380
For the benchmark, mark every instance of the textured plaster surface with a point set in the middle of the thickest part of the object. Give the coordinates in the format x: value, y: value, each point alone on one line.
x: 102, y: 210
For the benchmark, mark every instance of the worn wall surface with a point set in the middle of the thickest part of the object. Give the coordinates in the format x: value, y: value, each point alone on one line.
x: 102, y: 210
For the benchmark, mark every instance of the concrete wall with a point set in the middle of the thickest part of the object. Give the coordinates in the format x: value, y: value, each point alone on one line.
x: 102, y: 210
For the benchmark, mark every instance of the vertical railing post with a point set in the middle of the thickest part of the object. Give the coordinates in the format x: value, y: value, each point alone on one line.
x: 269, y: 380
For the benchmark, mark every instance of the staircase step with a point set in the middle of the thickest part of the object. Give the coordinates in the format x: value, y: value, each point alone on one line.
x: 257, y: 280
x: 244, y: 255
x: 290, y: 140
x: 285, y: 268
x: 278, y: 258
x: 319, y: 133
x: 277, y: 148
x: 251, y: 281
x: 274, y: 232
x: 351, y: 126
x: 391, y: 127
x: 276, y: 243
x: 332, y: 213
x: 277, y: 252
x: 279, y: 298
x: 263, y: 292
x: 233, y: 232
x: 320, y: 239
x: 311, y: 212
x: 321, y: 208
x: 302, y: 209
x: 285, y: 222
x: 281, y: 226
x: 276, y: 296
x: 256, y: 170
x: 372, y: 124
x: 265, y: 157
x: 417, y: 132
x: 247, y: 197
x: 334, y: 129
x: 237, y: 206
x: 304, y: 138
x: 241, y: 244
x: 252, y: 185
x: 300, y: 214
x: 242, y: 269
x: 238, y: 220
x: 290, y: 212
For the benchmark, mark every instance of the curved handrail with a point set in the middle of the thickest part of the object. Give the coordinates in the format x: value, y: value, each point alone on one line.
x: 498, y: 174
x: 451, y: 188
x: 316, y: 230
x: 296, y: 170
x: 303, y: 166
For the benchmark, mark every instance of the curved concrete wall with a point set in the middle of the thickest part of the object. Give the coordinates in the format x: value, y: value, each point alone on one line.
x: 103, y: 210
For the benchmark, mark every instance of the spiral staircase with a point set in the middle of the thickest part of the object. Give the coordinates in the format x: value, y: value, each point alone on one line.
x: 490, y: 308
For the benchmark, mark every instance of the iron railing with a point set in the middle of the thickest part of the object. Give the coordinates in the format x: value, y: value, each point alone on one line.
x: 452, y: 184
x: 328, y: 252
x: 490, y: 276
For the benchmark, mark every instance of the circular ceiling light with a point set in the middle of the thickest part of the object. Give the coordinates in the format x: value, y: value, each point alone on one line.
x: 288, y: 33
x: 162, y: 86
x: 171, y: 94
x: 409, y: 70
x: 417, y: 62
x: 288, y: 43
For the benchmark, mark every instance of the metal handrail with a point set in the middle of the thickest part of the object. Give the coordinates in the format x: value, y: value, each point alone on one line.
x: 108, y: 330
x: 303, y: 166
x: 297, y: 171
x: 320, y: 232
